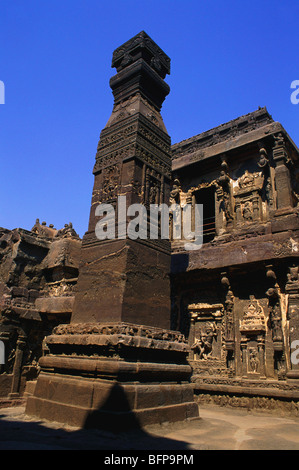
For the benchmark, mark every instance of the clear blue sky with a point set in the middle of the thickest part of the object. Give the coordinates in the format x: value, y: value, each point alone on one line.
x: 227, y: 58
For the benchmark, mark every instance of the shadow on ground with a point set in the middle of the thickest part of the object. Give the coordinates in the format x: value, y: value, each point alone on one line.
x: 114, y: 426
x: 19, y: 432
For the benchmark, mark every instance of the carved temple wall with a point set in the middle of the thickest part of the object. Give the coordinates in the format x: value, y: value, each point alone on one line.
x: 236, y: 298
x: 38, y: 276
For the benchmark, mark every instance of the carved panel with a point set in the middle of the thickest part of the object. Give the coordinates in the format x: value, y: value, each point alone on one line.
x: 253, y: 329
x: 111, y: 181
x: 207, y: 328
x: 253, y: 320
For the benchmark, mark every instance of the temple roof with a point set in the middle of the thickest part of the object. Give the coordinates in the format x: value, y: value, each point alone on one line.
x: 244, y: 130
x: 228, y: 130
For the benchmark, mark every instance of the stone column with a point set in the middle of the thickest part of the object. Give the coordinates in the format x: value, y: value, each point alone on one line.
x: 275, y: 321
x: 282, y: 174
x: 193, y: 319
x: 261, y: 352
x: 118, y: 364
x: 255, y: 206
x: 292, y: 289
x: 17, y: 368
x: 244, y: 352
x: 229, y: 316
x: 239, y: 216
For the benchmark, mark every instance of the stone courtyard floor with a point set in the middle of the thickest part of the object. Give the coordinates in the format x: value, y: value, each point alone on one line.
x: 217, y: 429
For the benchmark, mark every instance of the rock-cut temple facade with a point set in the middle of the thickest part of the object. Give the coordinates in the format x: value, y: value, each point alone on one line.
x: 146, y: 328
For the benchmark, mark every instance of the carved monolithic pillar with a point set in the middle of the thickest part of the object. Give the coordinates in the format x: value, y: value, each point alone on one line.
x: 118, y: 364
x: 17, y: 368
x: 282, y: 174
x: 292, y: 289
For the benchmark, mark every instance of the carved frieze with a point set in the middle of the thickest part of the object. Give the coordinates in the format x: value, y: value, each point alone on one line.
x: 202, y: 311
x: 247, y: 196
x: 253, y: 320
x: 207, y: 330
x: 111, y: 181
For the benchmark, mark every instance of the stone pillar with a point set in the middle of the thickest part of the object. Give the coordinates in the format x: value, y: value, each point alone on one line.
x: 255, y: 206
x: 282, y: 174
x: 17, y: 368
x: 117, y: 364
x: 239, y: 217
x: 193, y: 319
x: 275, y: 321
x: 244, y: 352
x: 292, y: 289
x: 261, y: 354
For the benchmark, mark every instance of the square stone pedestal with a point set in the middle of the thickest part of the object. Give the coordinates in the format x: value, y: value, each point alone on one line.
x: 113, y: 376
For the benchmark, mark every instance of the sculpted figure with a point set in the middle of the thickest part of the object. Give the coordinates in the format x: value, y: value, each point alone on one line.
x: 203, y: 345
x: 247, y: 213
x: 175, y: 192
x: 246, y: 180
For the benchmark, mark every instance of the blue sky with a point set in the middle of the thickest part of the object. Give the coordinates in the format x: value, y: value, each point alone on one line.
x: 227, y: 59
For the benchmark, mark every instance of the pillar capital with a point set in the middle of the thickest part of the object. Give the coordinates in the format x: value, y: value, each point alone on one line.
x: 141, y: 68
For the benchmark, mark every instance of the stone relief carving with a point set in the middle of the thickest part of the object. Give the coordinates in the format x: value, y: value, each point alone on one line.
x: 207, y: 330
x: 42, y: 230
x: 240, y: 201
x: 267, y: 189
x: 247, y: 211
x: 65, y: 287
x: 253, y: 360
x: 175, y: 192
x: 224, y: 183
x: 67, y: 231
x: 203, y: 345
x: 246, y: 180
x: 253, y: 319
x: 275, y: 314
x: 111, y: 177
x: 293, y: 274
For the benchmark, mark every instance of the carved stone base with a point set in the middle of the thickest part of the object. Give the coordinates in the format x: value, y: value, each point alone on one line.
x: 86, y: 403
x: 113, y: 376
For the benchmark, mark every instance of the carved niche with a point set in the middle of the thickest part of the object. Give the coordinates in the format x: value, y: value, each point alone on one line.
x: 111, y: 178
x: 229, y: 323
x: 153, y: 190
x: 223, y: 192
x: 253, y: 329
x: 206, y: 330
x: 275, y: 323
x: 247, y: 195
